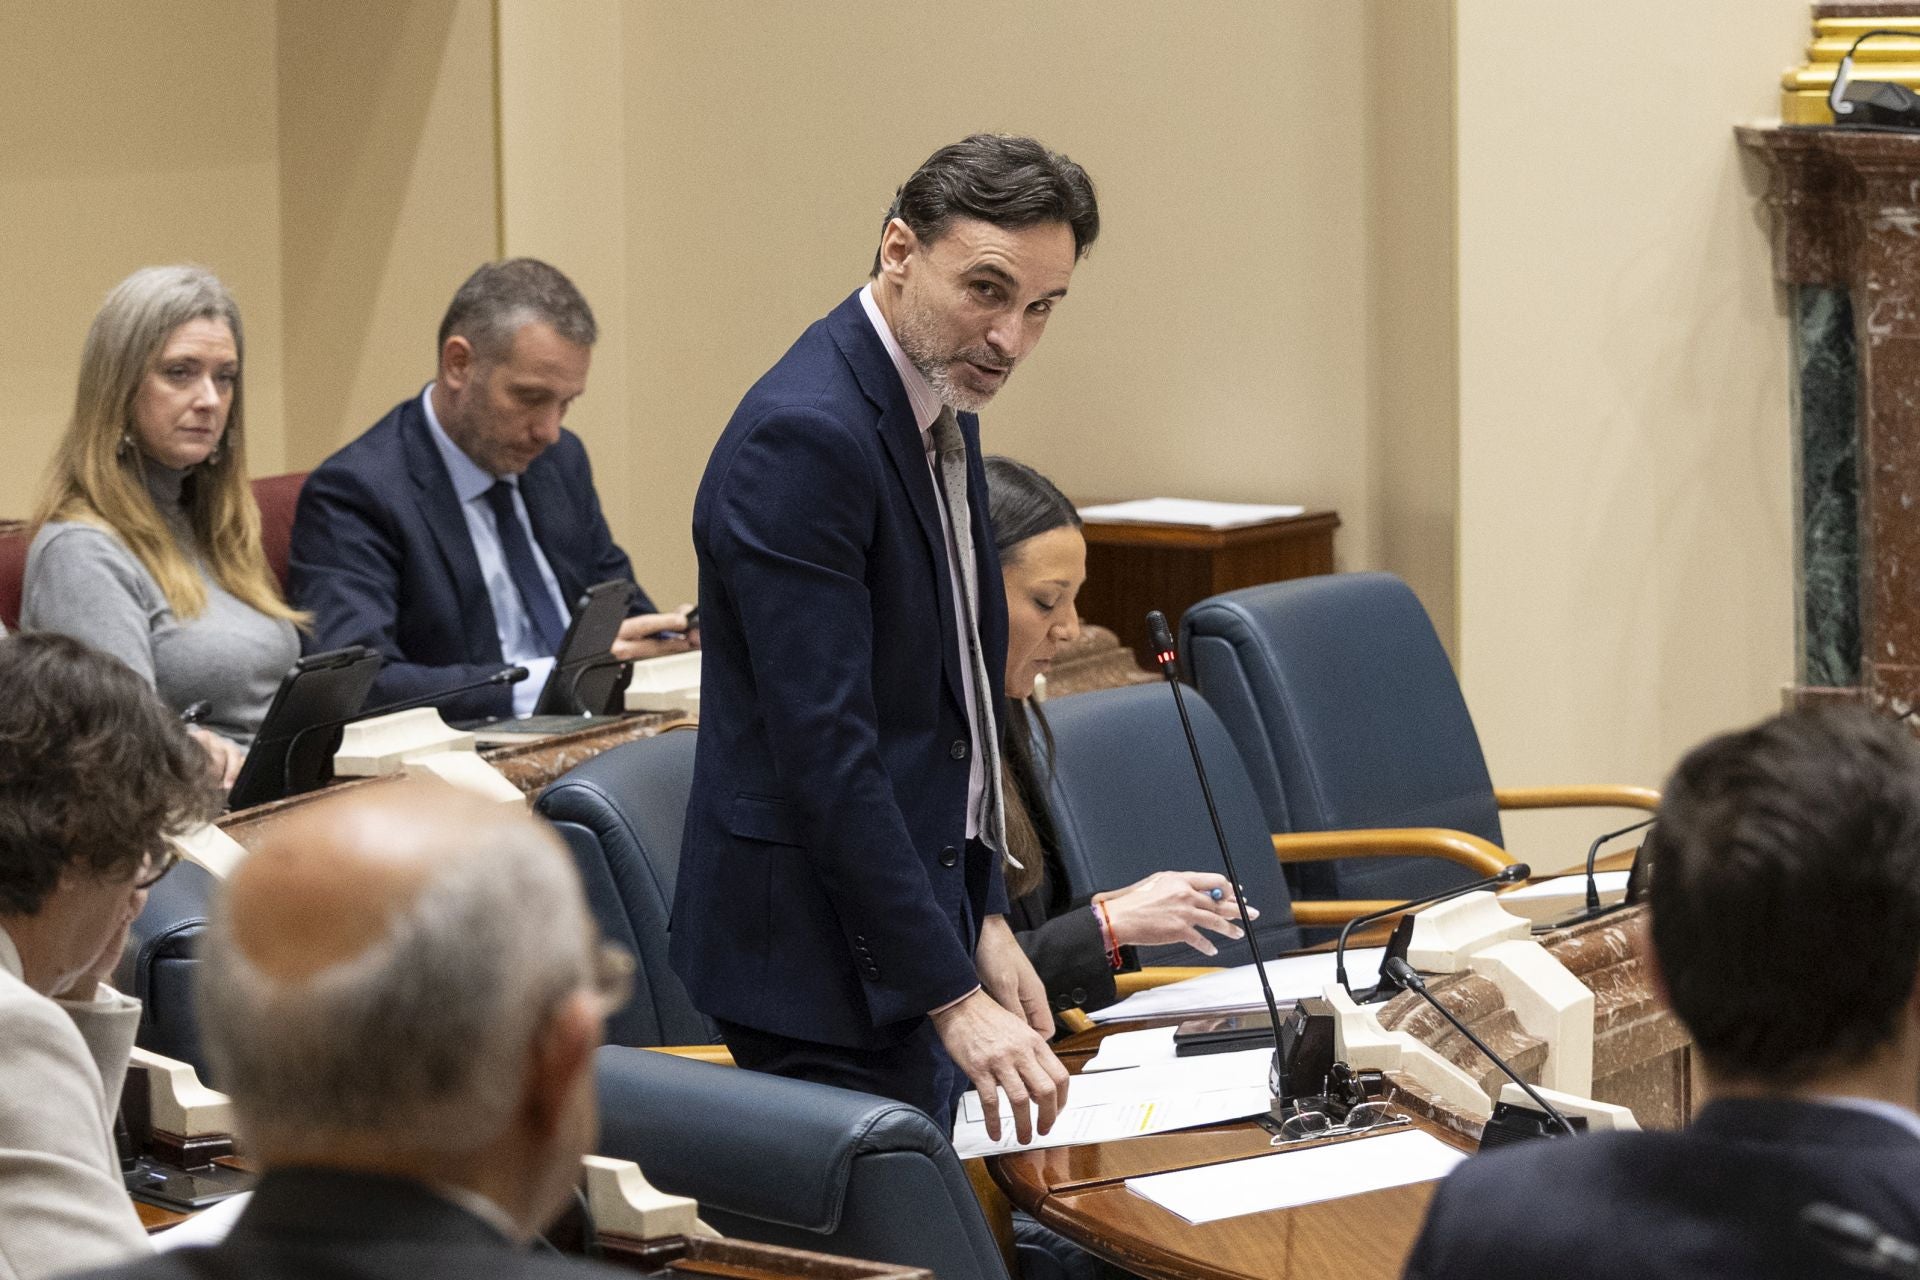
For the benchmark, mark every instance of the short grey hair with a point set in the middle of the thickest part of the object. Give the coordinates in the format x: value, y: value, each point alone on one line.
x: 422, y: 1039
x: 501, y: 297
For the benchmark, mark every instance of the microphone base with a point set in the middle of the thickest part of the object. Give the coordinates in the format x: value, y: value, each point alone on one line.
x: 1511, y: 1123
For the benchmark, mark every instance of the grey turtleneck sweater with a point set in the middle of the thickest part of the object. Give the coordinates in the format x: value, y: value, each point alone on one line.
x: 82, y: 581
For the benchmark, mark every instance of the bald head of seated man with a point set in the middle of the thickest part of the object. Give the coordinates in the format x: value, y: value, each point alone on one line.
x: 1785, y: 920
x: 402, y: 992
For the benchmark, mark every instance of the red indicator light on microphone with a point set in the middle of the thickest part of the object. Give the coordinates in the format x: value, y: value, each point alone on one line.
x: 1165, y: 657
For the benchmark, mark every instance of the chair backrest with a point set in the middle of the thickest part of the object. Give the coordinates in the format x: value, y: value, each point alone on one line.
x: 158, y: 965
x: 1126, y: 803
x: 277, y: 497
x: 1343, y: 703
x: 13, y: 570
x: 798, y: 1164
x: 622, y: 814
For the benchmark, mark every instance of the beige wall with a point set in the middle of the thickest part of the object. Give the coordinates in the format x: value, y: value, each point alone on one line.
x: 130, y: 135
x: 1214, y: 343
x: 1625, y: 556
x: 388, y: 199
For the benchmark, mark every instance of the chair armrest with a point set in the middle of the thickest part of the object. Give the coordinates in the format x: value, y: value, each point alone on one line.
x: 1323, y: 913
x: 1481, y: 857
x: 1126, y: 984
x: 1599, y: 796
x: 718, y: 1054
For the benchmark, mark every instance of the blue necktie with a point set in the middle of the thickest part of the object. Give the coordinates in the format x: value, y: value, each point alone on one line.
x: 525, y: 573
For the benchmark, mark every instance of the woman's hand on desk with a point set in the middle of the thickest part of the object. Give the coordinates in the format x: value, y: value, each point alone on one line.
x: 654, y: 635
x: 1174, y: 906
x: 223, y: 757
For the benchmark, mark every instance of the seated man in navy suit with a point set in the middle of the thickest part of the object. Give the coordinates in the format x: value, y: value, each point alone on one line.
x: 1786, y: 932
x: 454, y: 536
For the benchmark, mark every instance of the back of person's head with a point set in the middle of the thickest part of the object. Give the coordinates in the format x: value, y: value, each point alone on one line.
x: 1023, y: 504
x: 387, y: 970
x: 1785, y: 893
x: 95, y: 773
x: 997, y: 178
x: 501, y: 297
x: 99, y: 471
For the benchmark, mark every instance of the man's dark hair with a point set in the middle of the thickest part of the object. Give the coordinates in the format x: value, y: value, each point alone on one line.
x: 95, y: 771
x: 502, y: 296
x: 997, y: 178
x: 1786, y: 892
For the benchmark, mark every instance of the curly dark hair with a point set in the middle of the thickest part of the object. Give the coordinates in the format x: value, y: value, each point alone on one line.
x: 95, y: 772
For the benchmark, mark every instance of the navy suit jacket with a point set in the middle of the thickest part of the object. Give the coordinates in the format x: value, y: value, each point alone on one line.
x: 381, y: 556
x: 1719, y: 1198
x: 826, y: 888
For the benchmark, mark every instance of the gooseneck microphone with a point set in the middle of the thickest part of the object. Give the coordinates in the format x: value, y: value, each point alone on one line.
x: 1594, y: 910
x: 1859, y: 1241
x: 1512, y: 874
x: 1402, y: 973
x: 1162, y: 638
x: 507, y: 675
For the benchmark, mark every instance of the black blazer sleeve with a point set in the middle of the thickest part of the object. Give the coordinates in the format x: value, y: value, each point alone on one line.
x: 1067, y: 953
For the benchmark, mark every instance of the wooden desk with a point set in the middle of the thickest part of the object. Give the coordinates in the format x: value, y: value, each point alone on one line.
x: 1132, y: 568
x: 1640, y: 1060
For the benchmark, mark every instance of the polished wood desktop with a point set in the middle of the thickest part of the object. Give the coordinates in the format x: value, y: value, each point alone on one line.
x: 1132, y: 568
x: 1641, y: 1061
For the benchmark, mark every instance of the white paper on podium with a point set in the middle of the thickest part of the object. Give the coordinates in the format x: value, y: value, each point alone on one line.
x: 1123, y: 1049
x: 1612, y: 886
x: 209, y: 1226
x: 1189, y: 511
x: 1305, y: 1176
x: 1209, y: 1089
x: 1292, y: 977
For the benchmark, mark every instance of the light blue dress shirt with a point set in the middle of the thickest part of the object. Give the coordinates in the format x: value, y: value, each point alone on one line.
x: 519, y: 642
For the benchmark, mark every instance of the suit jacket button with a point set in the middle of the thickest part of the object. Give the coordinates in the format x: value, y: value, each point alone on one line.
x: 1079, y: 995
x: 959, y: 749
x: 1062, y: 1003
x: 949, y: 856
x: 873, y: 971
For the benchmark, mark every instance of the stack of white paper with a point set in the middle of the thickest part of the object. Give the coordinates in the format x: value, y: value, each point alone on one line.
x: 1188, y: 511
x: 1125, y: 1049
x: 1292, y: 978
x: 1303, y: 1176
x: 1111, y: 1105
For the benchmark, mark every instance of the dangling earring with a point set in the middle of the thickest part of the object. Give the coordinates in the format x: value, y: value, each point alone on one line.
x: 126, y: 444
x: 214, y: 457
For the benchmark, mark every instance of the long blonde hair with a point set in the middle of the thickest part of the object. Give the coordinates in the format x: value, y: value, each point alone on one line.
x: 98, y: 471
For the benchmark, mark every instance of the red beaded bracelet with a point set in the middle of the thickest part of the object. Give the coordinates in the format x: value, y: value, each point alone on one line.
x: 1112, y: 943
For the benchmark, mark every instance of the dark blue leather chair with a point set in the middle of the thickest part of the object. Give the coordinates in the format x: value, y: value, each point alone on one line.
x: 622, y: 814
x: 159, y: 962
x: 793, y: 1163
x: 1126, y: 803
x: 1344, y: 705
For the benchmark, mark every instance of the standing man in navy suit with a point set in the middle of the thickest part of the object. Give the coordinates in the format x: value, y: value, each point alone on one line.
x: 1785, y: 910
x: 840, y: 909
x: 454, y: 536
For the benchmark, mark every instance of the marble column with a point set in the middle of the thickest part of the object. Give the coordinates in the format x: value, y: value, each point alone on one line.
x: 1845, y: 209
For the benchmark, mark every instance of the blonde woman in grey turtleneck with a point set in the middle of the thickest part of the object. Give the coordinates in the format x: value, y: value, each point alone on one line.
x: 147, y: 541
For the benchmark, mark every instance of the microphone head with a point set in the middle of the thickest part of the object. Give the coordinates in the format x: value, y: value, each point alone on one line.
x: 1402, y: 973
x: 1159, y: 636
x: 512, y: 675
x: 1513, y: 874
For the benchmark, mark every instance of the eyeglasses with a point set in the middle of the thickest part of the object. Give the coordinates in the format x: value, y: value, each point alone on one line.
x: 1324, y: 1117
x: 153, y: 869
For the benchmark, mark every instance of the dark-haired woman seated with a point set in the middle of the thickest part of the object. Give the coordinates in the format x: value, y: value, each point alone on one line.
x: 1076, y: 945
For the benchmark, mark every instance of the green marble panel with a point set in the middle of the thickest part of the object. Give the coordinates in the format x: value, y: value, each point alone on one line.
x: 1827, y: 458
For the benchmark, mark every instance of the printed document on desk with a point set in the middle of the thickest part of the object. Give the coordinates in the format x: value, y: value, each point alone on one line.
x: 1292, y: 977
x: 1188, y: 511
x: 1304, y: 1176
x: 1211, y: 1089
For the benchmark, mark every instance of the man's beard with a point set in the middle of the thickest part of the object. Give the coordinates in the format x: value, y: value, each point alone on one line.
x: 918, y: 339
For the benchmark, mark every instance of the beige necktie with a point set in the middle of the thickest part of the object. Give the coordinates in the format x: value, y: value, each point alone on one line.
x: 952, y: 450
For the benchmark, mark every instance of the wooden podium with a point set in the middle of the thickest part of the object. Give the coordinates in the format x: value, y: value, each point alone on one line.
x: 1132, y: 568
